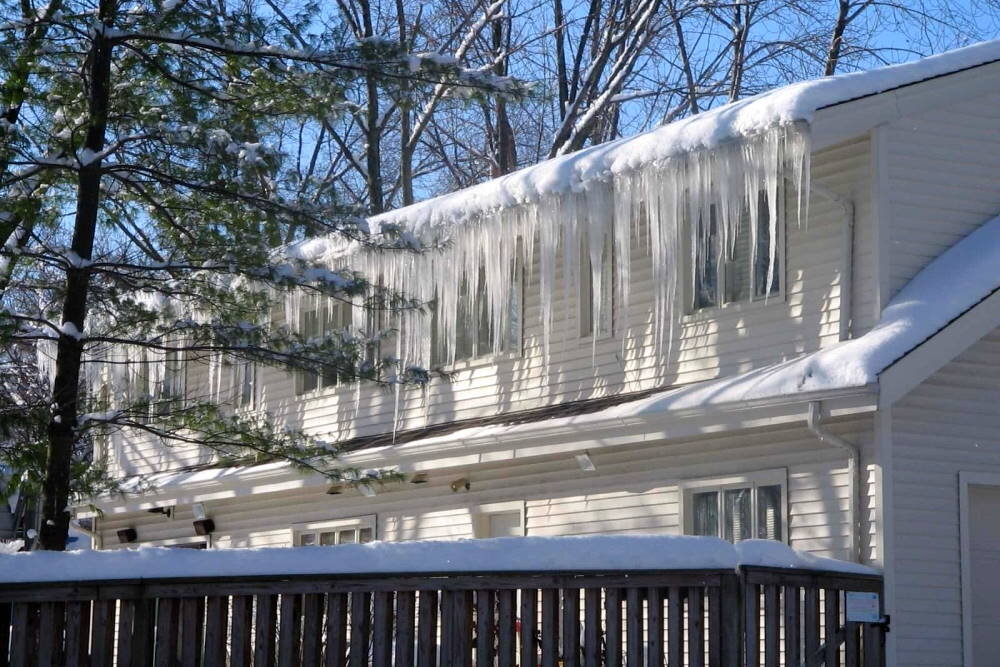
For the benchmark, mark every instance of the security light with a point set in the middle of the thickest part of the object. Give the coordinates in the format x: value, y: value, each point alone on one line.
x: 204, y: 527
x: 198, y: 509
x: 127, y: 535
x: 419, y: 478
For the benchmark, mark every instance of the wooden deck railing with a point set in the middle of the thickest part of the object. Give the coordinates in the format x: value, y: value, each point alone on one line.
x: 758, y: 616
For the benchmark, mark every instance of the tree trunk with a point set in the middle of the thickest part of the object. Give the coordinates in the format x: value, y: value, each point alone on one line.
x: 506, y: 152
x: 837, y: 39
x: 373, y: 132
x: 405, y: 126
x: 66, y: 386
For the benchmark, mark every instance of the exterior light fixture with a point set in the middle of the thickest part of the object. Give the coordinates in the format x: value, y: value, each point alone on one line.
x: 335, y: 489
x: 198, y: 510
x: 419, y: 478
x: 462, y: 484
x: 127, y: 535
x: 585, y: 462
x: 204, y: 527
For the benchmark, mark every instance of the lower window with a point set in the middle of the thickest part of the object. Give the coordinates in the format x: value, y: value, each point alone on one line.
x: 358, y: 530
x: 737, y: 508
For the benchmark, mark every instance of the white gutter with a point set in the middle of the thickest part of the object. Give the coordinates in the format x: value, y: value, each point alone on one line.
x: 853, y: 472
x: 847, y: 258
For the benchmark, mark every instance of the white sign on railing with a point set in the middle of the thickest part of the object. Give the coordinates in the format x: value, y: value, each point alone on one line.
x: 862, y: 607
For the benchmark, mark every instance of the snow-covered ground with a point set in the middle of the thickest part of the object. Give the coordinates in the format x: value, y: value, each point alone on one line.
x: 512, y: 554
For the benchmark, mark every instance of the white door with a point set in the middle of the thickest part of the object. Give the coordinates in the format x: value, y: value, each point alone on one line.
x: 984, y: 561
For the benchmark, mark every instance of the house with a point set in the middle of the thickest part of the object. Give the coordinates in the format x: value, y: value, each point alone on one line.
x: 776, y: 319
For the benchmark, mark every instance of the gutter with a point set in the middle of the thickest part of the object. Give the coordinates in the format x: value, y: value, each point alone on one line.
x: 847, y: 258
x: 853, y: 471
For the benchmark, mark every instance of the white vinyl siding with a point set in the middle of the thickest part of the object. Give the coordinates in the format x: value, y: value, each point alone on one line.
x: 948, y: 424
x: 633, y: 490
x: 944, y: 166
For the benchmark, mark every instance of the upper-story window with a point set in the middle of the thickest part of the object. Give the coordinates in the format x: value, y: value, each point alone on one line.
x: 741, y: 270
x: 605, y: 327
x: 244, y: 384
x: 737, y: 508
x: 170, y: 393
x: 322, y: 317
x: 474, y: 330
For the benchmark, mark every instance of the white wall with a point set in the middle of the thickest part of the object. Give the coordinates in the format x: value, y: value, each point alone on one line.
x: 634, y: 490
x: 948, y: 424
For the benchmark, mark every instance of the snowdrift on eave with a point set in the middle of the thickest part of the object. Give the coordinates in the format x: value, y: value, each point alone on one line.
x: 788, y: 104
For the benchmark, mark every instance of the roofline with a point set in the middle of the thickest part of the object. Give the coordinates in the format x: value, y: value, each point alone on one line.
x: 545, y: 438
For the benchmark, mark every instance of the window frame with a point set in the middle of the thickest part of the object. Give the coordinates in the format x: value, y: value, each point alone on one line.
x: 325, y: 307
x: 585, y: 293
x: 481, y: 516
x: 695, y: 313
x: 358, y: 523
x: 773, y: 477
x: 516, y: 347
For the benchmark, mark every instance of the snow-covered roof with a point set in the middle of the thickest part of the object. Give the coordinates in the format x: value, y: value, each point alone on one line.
x: 512, y: 554
x: 785, y: 105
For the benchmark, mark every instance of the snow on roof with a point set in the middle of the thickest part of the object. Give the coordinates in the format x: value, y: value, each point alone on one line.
x: 512, y: 554
x: 785, y: 105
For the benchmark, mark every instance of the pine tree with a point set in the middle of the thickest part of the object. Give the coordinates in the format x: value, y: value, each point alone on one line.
x: 148, y: 182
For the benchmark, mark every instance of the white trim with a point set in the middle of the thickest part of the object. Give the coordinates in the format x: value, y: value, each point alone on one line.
x: 886, y: 518
x: 965, y: 480
x: 481, y: 514
x: 924, y: 360
x: 772, y: 477
x: 881, y: 212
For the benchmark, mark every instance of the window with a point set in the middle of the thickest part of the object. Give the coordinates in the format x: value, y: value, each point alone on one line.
x: 738, y: 272
x: 473, y: 325
x: 244, y: 384
x: 138, y: 387
x: 737, y: 509
x: 499, y: 520
x: 170, y: 394
x: 606, y: 328
x: 324, y: 317
x: 357, y: 530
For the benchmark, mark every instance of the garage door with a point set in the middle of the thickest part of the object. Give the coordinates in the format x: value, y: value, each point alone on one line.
x: 984, y: 558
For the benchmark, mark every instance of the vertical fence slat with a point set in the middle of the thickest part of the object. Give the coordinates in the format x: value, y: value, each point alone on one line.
x: 506, y: 629
x: 793, y: 648
x: 813, y: 656
x: 772, y: 626
x: 634, y: 627
x: 529, y: 624
x: 654, y: 632
x: 550, y: 627
x: 696, y: 627
x: 485, y: 628
x: 427, y: 629
x: 143, y: 628
x: 463, y: 628
x: 124, y: 646
x: 675, y: 627
x: 216, y: 621
x: 872, y: 642
x: 192, y: 610
x: 751, y: 625
x: 831, y: 628
x: 382, y: 629
x: 102, y: 633
x: 265, y: 619
x: 592, y: 627
x: 312, y: 628
x: 5, y: 621
x: 166, y: 632
x: 714, y: 595
x: 360, y: 628
x: 732, y: 621
x: 20, y: 641
x: 77, y: 633
x: 49, y: 635
x: 406, y: 628
x: 336, y: 630
x: 613, y: 627
x: 571, y: 627
x: 240, y: 634
x: 289, y: 630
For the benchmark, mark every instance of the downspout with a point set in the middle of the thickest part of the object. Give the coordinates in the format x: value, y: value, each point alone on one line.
x: 847, y: 258
x: 853, y: 472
